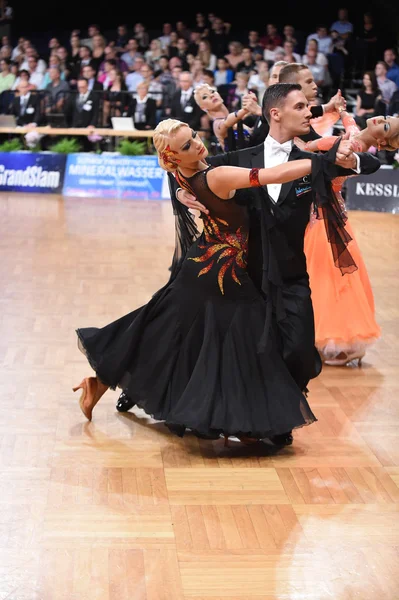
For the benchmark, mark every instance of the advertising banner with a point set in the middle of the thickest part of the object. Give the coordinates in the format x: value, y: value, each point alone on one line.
x: 378, y: 192
x: 115, y: 176
x: 32, y: 172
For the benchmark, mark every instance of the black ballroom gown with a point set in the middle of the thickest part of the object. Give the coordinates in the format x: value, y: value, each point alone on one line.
x: 190, y: 357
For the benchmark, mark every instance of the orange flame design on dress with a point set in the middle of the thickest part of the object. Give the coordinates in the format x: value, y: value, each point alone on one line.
x: 233, y: 248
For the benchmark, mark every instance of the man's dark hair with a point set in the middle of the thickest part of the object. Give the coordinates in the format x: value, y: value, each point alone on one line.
x: 276, y: 95
x: 83, y: 79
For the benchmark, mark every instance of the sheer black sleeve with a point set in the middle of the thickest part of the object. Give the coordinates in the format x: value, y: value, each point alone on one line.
x: 185, y: 228
x: 323, y: 171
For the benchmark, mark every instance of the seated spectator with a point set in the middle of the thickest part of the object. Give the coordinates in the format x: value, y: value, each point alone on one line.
x: 41, y: 66
x: 153, y: 55
x: 247, y: 64
x: 195, y: 38
x: 209, y: 77
x: 90, y: 75
x: 75, y: 48
x: 367, y: 100
x: 205, y: 54
x: 387, y: 87
x: 223, y: 74
x: 183, y: 105
x: 91, y: 31
x: 53, y: 45
x: 272, y: 53
x: 142, y: 108
x: 135, y: 77
x: 103, y: 78
x: 259, y: 81
x: 182, y: 51
x: 320, y: 73
x: 254, y: 42
x: 342, y: 25
x: 173, y: 49
x: 165, y: 37
x: 18, y: 50
x: 54, y: 62
x: 313, y: 46
x: 110, y: 54
x: 122, y: 38
x: 272, y: 37
x: 289, y: 55
x: 289, y: 36
x: 23, y: 76
x: 84, y: 106
x: 116, y: 98
x: 390, y: 58
x: 85, y: 58
x: 238, y: 91
x: 35, y: 76
x: 235, y: 54
x: 98, y: 52
x: 66, y: 65
x: 197, y: 71
x: 142, y: 37
x: 57, y: 90
x: 7, y: 78
x: 324, y: 41
x: 132, y: 52
x: 155, y: 88
x: 26, y: 106
x: 6, y: 51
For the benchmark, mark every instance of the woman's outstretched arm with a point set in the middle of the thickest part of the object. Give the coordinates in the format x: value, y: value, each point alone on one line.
x: 223, y: 180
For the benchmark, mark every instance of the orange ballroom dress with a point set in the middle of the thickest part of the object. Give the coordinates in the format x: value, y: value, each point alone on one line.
x: 343, y: 305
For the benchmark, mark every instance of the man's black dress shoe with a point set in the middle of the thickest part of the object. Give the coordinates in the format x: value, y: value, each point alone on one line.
x: 282, y: 439
x: 124, y: 403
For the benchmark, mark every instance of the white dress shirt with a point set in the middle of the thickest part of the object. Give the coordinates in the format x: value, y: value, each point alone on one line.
x: 275, y: 153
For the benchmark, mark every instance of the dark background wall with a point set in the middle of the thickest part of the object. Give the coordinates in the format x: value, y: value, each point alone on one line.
x: 50, y: 18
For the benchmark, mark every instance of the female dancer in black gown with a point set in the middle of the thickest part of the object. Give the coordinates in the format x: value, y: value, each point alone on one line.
x: 190, y: 357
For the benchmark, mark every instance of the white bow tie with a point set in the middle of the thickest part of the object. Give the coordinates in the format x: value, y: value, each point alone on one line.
x: 275, y: 147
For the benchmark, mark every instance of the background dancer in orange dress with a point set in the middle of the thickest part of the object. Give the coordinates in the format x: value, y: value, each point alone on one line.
x: 344, y: 305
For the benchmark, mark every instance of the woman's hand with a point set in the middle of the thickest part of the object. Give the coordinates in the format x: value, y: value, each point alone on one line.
x: 190, y: 201
x: 300, y: 144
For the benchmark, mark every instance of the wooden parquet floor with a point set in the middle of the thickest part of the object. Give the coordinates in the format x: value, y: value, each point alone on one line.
x: 119, y: 509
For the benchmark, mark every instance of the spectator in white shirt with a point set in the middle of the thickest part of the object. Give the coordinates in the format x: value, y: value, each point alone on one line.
x: 36, y: 76
x: 289, y: 55
x: 41, y: 64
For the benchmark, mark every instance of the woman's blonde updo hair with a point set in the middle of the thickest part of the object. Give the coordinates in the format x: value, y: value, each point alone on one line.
x: 162, y: 134
x: 198, y: 91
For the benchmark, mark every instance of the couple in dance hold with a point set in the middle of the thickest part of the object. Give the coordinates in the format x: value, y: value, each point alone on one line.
x: 226, y: 347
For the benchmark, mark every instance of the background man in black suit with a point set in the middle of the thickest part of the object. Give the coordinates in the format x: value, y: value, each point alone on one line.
x: 83, y: 109
x: 289, y: 206
x: 90, y: 74
x: 84, y: 106
x: 26, y: 106
x: 183, y: 105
